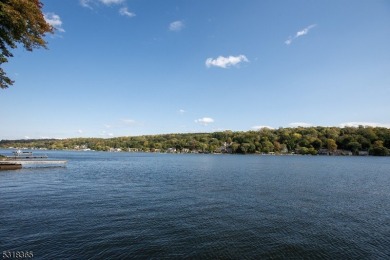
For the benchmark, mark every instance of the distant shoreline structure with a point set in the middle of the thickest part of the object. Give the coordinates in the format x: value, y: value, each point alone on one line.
x: 298, y: 140
x: 323, y: 152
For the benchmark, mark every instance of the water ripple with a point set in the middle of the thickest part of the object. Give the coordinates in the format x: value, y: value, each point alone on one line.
x: 120, y: 206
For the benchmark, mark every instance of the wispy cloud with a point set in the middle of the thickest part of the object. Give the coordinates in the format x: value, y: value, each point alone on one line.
x: 110, y: 2
x: 300, y: 124
x: 182, y: 111
x: 125, y: 12
x: 299, y: 34
x: 89, y: 3
x: 176, y: 26
x: 258, y: 127
x: 305, y: 30
x: 85, y: 3
x: 54, y: 20
x: 204, y: 121
x: 80, y: 131
x: 356, y: 124
x: 226, y: 62
x: 288, y: 41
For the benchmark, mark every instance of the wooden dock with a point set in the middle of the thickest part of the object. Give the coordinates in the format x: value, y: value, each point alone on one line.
x: 43, y: 163
x: 9, y: 166
x: 21, y: 159
x: 18, y: 164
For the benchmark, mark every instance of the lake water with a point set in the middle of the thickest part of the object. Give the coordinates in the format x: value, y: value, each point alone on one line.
x: 174, y: 206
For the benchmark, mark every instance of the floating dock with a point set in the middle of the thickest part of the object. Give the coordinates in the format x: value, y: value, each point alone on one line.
x: 39, y: 163
x: 21, y: 159
x: 9, y: 166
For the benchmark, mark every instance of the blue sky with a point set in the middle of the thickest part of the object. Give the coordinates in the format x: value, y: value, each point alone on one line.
x: 138, y: 67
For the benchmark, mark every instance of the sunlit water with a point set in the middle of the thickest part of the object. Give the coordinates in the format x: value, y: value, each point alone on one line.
x: 124, y: 205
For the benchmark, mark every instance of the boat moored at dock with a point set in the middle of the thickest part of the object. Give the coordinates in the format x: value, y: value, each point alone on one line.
x: 19, y: 154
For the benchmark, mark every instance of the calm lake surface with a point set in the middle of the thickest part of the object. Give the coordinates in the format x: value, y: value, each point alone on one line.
x: 174, y: 206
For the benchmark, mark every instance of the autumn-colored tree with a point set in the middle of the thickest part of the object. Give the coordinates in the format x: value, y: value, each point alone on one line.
x: 302, y: 140
x: 378, y: 149
x: 331, y: 144
x: 21, y: 22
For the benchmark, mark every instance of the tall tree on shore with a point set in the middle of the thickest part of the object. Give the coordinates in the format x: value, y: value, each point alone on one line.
x: 21, y: 22
x: 331, y: 145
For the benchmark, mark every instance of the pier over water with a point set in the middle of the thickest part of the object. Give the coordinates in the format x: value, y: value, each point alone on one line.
x: 21, y: 159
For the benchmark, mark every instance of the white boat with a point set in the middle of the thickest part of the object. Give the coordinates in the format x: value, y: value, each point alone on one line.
x: 19, y: 154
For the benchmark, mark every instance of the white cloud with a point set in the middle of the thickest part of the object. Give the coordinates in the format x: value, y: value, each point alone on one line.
x: 48, y: 137
x: 176, y: 26
x: 300, y: 124
x: 225, y: 62
x: 80, y: 131
x: 204, y: 121
x: 182, y: 111
x: 85, y: 3
x: 88, y: 3
x: 124, y: 11
x: 299, y: 34
x: 109, y: 2
x: 54, y: 20
x: 219, y: 129
x: 288, y: 41
x: 356, y: 124
x: 305, y: 31
x: 258, y: 127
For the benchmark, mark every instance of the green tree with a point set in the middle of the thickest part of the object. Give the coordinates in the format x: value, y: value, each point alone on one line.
x: 332, y: 132
x: 368, y: 132
x: 316, y: 143
x: 277, y: 147
x: 302, y: 150
x: 378, y: 149
x: 354, y: 147
x: 267, y: 146
x: 21, y: 22
x: 312, y: 151
x: 235, y: 147
x: 331, y: 145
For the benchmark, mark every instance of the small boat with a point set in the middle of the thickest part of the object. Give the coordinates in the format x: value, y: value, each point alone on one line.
x: 19, y: 154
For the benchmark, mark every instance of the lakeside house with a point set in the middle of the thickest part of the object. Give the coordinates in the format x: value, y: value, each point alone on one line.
x: 115, y: 150
x: 171, y: 150
x: 225, y: 148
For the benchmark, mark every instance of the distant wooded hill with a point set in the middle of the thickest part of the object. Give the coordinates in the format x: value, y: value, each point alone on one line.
x: 300, y: 140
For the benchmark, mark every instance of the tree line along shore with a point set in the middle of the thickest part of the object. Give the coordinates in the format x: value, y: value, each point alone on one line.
x: 362, y: 140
